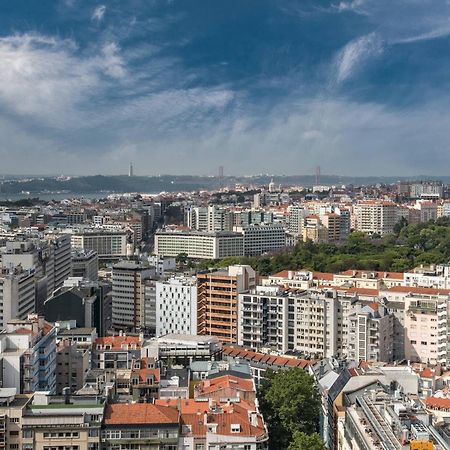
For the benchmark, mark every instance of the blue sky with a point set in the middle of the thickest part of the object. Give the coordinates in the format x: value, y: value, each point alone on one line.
x: 258, y: 86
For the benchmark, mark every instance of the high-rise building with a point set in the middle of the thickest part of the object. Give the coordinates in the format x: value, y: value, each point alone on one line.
x: 85, y: 264
x: 176, y: 306
x: 376, y: 217
x: 263, y: 238
x: 17, y: 294
x: 217, y: 306
x: 128, y: 294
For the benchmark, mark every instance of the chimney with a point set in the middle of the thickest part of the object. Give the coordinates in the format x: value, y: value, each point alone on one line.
x: 66, y: 393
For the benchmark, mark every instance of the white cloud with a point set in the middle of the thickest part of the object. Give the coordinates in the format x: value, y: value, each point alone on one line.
x: 98, y: 13
x: 355, y: 54
x: 353, y: 5
x: 46, y: 79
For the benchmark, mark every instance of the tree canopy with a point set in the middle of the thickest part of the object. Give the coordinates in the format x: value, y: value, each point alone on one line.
x: 303, y: 441
x: 290, y: 403
x: 408, y: 247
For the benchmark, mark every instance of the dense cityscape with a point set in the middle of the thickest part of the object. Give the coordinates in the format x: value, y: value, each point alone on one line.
x: 225, y: 225
x: 169, y: 321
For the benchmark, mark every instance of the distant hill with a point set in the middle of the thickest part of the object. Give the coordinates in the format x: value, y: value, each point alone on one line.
x: 175, y: 183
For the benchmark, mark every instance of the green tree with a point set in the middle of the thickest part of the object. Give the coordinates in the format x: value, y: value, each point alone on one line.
x: 290, y: 403
x: 181, y: 258
x: 303, y: 441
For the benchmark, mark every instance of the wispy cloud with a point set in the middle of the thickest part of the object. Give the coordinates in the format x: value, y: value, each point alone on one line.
x: 355, y: 54
x: 99, y: 13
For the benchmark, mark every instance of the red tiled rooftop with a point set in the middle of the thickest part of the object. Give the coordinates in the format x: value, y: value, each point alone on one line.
x: 418, y: 290
x: 139, y: 413
x: 436, y: 402
x: 280, y: 361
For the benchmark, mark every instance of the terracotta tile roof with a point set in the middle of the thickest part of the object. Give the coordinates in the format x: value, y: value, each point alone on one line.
x: 280, y: 361
x: 282, y: 274
x: 23, y: 331
x: 436, y: 402
x: 323, y: 276
x: 418, y: 290
x: 144, y: 374
x: 427, y: 373
x: 117, y: 342
x: 352, y: 290
x: 140, y: 413
x: 47, y: 328
x: 234, y: 414
x: 194, y: 406
x: 378, y: 274
x: 213, y: 385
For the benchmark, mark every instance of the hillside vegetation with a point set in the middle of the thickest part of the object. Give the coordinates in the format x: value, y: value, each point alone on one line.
x: 408, y: 247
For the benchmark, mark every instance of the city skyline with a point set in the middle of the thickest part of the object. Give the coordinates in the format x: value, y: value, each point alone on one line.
x: 183, y: 87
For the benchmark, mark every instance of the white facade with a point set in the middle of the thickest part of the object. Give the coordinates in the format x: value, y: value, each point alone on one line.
x: 176, y: 306
x: 263, y: 238
x: 199, y: 245
x: 162, y: 264
x: 107, y: 244
x: 376, y: 217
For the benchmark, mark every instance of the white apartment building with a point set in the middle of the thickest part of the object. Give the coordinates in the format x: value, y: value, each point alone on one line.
x: 162, y: 264
x: 17, y: 294
x: 219, y: 219
x: 107, y: 244
x: 437, y: 277
x: 262, y: 238
x: 376, y: 217
x: 371, y: 334
x: 201, y: 245
x: 296, y: 218
x: 128, y: 294
x: 316, y: 322
x: 176, y: 306
x: 196, y: 218
x: 426, y: 328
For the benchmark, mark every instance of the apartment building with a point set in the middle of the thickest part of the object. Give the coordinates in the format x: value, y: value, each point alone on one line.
x: 116, y: 352
x: 128, y: 294
x: 376, y: 216
x: 61, y: 422
x: 217, y: 305
x: 17, y: 294
x: 176, y: 306
x: 426, y: 328
x: 28, y: 354
x: 140, y: 426
x: 199, y: 245
x: 107, y: 244
x: 371, y: 334
x: 314, y: 230
x: 72, y: 365
x: 85, y: 264
x: 266, y: 319
x: 262, y: 238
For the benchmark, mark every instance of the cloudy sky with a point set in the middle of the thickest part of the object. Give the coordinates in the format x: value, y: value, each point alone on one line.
x: 258, y: 86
